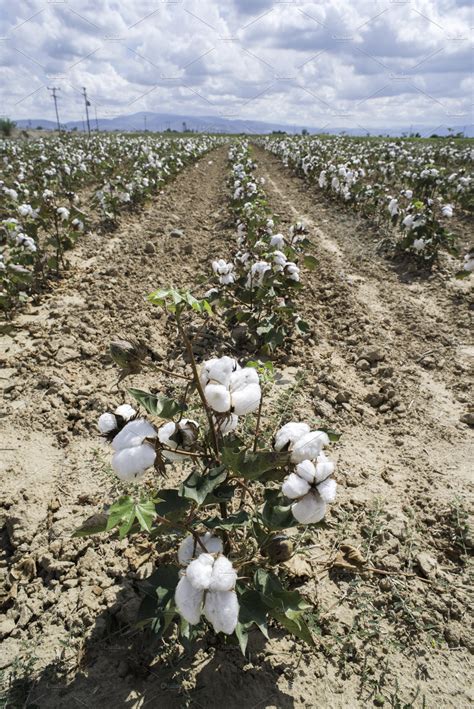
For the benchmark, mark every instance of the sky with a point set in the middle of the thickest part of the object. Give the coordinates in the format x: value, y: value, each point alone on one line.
x: 352, y: 63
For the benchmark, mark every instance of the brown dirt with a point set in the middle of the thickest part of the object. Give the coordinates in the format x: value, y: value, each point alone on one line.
x: 386, y: 364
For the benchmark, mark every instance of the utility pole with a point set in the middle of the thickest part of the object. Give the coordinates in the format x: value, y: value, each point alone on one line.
x: 144, y: 118
x: 53, y: 90
x: 96, y: 121
x: 87, y: 109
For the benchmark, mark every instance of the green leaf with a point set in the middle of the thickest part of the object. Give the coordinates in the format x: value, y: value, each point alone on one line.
x: 253, y: 610
x: 303, y: 326
x: 333, y: 435
x: 311, y: 262
x: 145, y: 512
x: 93, y: 525
x: 160, y: 406
x: 119, y: 511
x: 242, y: 636
x: 276, y: 513
x: 250, y: 465
x: 240, y: 519
x: 295, y: 624
x: 197, y: 487
x: 157, y: 607
x: 171, y: 505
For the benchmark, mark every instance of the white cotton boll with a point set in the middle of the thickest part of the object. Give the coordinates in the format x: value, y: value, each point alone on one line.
x: 324, y: 468
x: 246, y: 400
x: 293, y: 486
x: 221, y: 609
x: 309, y: 446
x: 199, y: 571
x: 223, y: 576
x: 190, y: 549
x: 131, y: 463
x: 226, y: 424
x: 188, y: 601
x: 327, y: 490
x: 218, y: 397
x: 447, y: 210
x: 306, y: 470
x: 132, y: 434
x: 289, y: 433
x: 243, y: 377
x: 310, y: 509
x: 419, y: 244
x: 107, y: 422
x: 277, y: 240
x: 126, y: 411
x: 218, y: 370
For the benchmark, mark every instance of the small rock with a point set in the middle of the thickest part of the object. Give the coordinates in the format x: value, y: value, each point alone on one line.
x: 468, y: 418
x: 363, y: 364
x: 375, y: 399
x: 64, y: 354
x: 372, y: 356
x: 427, y: 564
x: 7, y: 625
x: 149, y: 248
x: 177, y: 233
x: 343, y: 397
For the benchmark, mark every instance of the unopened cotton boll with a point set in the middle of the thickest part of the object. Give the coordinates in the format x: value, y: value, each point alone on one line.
x: 107, y: 423
x: 309, y: 446
x: 131, y: 463
x: 188, y: 601
x: 310, y: 509
x: 289, y: 433
x: 190, y: 549
x: 223, y: 576
x: 218, y: 397
x: 126, y: 411
x: 199, y: 571
x: 221, y: 609
x: 293, y: 486
x: 133, y: 434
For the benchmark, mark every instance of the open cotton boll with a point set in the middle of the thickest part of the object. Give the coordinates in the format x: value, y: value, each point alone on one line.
x: 277, y: 240
x: 218, y: 397
x: 107, y: 423
x: 246, y: 400
x: 289, y: 433
x: 310, y: 509
x: 188, y: 601
x: 199, y: 571
x: 293, y: 486
x: 131, y: 463
x: 226, y: 424
x: 327, y: 490
x: 132, y: 434
x: 324, y: 468
x: 309, y: 446
x: 306, y: 470
x: 126, y: 411
x: 223, y: 576
x: 218, y: 370
x: 189, y: 548
x: 221, y: 609
x: 242, y: 377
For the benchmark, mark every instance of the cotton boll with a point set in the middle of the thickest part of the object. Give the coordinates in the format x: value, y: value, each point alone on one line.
x: 132, y: 434
x: 306, y: 470
x: 246, y: 400
x: 277, y: 241
x: 223, y: 576
x: 289, y: 433
x: 131, y: 463
x: 226, y: 424
x: 327, y: 490
x: 190, y: 549
x: 324, y: 468
x: 218, y: 370
x: 221, y: 609
x: 293, y: 486
x: 199, y: 571
x: 107, y: 423
x: 308, y: 447
x: 126, y: 411
x: 218, y: 397
x: 310, y: 509
x: 188, y: 601
x: 242, y: 377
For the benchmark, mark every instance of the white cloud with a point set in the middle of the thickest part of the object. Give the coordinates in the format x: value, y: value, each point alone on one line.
x: 371, y: 63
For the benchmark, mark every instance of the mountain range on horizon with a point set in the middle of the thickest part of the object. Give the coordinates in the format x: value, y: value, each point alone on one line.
x: 157, y: 122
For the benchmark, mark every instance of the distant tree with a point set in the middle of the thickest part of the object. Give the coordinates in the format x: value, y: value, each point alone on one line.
x: 6, y: 127
x: 279, y: 132
x: 305, y: 131
x: 39, y: 127
x: 184, y: 127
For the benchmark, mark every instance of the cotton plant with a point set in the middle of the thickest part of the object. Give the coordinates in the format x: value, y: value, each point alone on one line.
x: 239, y: 488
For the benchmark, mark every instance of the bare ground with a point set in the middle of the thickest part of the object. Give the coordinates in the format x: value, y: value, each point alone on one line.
x: 387, y: 364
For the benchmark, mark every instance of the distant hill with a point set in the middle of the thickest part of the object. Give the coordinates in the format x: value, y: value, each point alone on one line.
x: 216, y: 124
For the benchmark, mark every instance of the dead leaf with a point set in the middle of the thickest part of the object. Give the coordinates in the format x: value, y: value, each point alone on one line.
x: 299, y: 566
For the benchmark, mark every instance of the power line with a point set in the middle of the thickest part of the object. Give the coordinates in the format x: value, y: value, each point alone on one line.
x: 53, y: 90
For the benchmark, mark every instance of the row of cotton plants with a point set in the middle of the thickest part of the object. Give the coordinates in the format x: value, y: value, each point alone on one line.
x: 242, y: 484
x: 40, y: 183
x: 413, y: 187
x: 255, y: 287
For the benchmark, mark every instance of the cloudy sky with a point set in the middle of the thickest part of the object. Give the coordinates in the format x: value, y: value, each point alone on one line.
x: 355, y: 63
